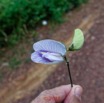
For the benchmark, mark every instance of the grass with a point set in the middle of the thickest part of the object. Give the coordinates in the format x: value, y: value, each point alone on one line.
x: 1, y: 76
x: 14, y: 63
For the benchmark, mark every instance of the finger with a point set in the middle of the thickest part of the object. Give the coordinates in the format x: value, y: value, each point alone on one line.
x: 75, y: 95
x: 53, y: 95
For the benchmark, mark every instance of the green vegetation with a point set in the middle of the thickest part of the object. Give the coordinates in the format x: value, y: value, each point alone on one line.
x: 17, y: 15
x: 1, y: 76
x: 14, y: 63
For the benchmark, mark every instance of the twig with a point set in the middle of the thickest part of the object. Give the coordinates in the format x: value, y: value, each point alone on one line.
x: 67, y: 62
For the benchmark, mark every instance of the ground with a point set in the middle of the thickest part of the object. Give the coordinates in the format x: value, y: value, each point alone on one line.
x: 87, y: 66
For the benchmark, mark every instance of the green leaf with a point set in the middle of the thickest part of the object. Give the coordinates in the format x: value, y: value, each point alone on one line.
x: 78, y: 40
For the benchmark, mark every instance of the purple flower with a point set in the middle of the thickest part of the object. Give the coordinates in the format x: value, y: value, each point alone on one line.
x: 48, y: 52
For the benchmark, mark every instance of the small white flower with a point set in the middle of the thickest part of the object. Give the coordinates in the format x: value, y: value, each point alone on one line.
x: 44, y: 22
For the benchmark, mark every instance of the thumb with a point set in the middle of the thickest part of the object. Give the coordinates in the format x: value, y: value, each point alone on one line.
x: 75, y: 95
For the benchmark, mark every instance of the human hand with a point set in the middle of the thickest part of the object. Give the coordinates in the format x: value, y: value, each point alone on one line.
x: 62, y: 94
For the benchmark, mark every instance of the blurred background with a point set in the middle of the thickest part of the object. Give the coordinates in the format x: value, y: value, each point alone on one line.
x: 23, y: 22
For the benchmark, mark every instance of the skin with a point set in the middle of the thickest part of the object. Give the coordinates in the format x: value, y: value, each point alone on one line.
x: 62, y: 94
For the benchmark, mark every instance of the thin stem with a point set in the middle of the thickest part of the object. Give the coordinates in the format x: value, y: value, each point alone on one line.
x: 67, y: 62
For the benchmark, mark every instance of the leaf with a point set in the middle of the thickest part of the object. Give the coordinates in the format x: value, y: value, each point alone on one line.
x: 78, y: 40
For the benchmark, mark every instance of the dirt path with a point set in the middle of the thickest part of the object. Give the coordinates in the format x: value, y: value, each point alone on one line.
x: 87, y: 65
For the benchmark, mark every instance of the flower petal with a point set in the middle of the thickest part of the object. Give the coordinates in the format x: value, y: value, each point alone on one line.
x: 50, y: 45
x: 37, y: 57
x: 53, y: 56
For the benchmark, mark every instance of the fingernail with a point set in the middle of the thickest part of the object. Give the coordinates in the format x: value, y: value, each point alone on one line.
x: 78, y: 92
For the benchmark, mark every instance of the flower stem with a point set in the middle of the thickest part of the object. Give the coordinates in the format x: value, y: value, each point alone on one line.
x: 67, y: 62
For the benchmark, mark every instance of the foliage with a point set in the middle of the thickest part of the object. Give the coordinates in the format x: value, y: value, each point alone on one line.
x: 14, y: 63
x: 1, y: 76
x: 15, y: 15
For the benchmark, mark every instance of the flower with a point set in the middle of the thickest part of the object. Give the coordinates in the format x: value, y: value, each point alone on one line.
x: 51, y: 51
x: 48, y: 52
x: 44, y: 22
